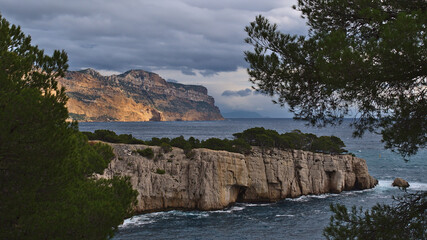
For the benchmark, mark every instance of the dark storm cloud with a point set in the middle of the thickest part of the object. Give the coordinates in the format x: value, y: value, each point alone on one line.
x: 240, y: 93
x: 185, y: 35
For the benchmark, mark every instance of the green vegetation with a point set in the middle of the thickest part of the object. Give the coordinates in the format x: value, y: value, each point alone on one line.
x: 364, y: 55
x: 105, y: 151
x: 166, y: 147
x: 266, y: 138
x: 360, y: 57
x: 406, y: 219
x: 160, y: 171
x: 110, y: 136
x: 243, y: 141
x: 46, y: 164
x: 148, y: 152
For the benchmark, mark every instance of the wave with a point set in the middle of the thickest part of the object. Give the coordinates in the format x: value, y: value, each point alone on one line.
x: 148, y: 218
x: 135, y: 221
x: 417, y: 186
x: 230, y: 210
x: 387, y: 184
x: 384, y: 189
x: 306, y: 198
x: 256, y: 204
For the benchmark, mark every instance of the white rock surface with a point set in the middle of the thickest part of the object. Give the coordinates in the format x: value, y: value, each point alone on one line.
x: 215, y: 179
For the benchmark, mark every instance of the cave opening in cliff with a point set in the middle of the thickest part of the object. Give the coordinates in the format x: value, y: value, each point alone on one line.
x: 241, y: 194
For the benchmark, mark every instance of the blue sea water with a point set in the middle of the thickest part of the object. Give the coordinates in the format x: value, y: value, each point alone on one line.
x: 299, y: 218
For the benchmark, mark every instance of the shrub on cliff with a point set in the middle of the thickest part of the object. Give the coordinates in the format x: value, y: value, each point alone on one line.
x: 148, y: 152
x: 180, y: 142
x: 111, y: 136
x: 45, y: 163
x: 295, y: 139
x: 217, y: 144
x: 165, y: 147
x: 160, y: 171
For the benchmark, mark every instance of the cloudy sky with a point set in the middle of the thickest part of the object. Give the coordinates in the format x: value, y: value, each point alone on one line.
x: 191, y: 41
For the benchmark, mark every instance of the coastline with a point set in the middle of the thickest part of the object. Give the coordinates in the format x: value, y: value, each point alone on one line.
x: 214, y: 180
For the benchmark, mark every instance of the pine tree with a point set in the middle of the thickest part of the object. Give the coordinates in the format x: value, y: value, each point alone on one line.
x: 46, y: 164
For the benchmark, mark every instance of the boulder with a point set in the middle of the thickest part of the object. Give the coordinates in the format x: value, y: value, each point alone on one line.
x: 401, y: 183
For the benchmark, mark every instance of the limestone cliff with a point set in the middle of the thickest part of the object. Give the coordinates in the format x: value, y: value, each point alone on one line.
x: 135, y: 95
x: 214, y: 179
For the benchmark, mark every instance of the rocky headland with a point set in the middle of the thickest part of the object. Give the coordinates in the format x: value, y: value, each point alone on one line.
x: 135, y: 95
x: 207, y: 180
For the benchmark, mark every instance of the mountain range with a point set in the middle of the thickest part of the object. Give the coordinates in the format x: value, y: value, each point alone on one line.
x: 135, y: 95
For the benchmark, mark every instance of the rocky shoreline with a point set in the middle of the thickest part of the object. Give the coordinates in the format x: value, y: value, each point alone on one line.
x: 210, y: 180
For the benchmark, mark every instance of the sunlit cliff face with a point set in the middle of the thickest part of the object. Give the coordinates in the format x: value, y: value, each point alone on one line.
x: 135, y: 96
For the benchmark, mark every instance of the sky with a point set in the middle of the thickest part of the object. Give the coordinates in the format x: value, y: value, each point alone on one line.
x: 189, y: 41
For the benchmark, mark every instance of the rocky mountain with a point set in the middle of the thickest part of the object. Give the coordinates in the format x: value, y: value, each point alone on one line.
x: 135, y: 95
x: 210, y: 179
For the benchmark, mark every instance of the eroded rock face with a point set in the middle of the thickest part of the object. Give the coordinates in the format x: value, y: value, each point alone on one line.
x: 135, y: 95
x: 214, y: 179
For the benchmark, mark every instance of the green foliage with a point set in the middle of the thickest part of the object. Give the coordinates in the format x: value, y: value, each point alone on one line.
x: 406, y: 219
x: 195, y: 143
x: 160, y: 171
x: 240, y: 146
x: 243, y: 141
x: 266, y: 138
x: 363, y: 55
x: 217, y: 144
x: 111, y: 136
x: 189, y: 153
x: 45, y: 163
x: 148, y: 153
x: 180, y: 142
x: 165, y: 147
x: 158, y: 141
x: 106, y: 153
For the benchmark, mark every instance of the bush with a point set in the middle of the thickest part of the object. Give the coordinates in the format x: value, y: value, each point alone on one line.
x: 258, y: 136
x: 190, y: 154
x: 180, y: 142
x: 195, y: 143
x: 160, y: 171
x: 105, y: 150
x: 240, y: 146
x: 148, y: 153
x: 217, y: 144
x: 165, y: 147
x: 112, y: 137
x: 295, y: 139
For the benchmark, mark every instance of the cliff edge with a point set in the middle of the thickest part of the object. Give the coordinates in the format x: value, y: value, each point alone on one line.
x: 135, y: 95
x: 211, y: 179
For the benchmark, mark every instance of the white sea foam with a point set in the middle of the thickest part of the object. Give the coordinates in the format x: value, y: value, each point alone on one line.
x: 186, y: 214
x: 285, y: 215
x: 148, y: 218
x: 230, y: 210
x: 387, y: 184
x: 139, y: 220
x: 307, y: 198
x: 256, y: 204
x: 299, y: 199
x: 417, y: 186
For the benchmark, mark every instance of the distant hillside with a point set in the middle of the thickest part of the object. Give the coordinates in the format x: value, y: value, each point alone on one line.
x: 135, y: 95
x: 242, y: 114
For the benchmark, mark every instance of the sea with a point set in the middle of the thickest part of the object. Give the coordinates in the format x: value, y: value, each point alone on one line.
x: 304, y: 217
